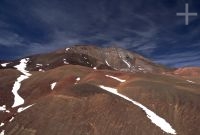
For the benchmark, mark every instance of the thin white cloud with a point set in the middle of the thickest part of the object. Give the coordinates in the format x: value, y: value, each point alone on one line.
x: 60, y: 40
x: 179, y: 59
x: 9, y: 39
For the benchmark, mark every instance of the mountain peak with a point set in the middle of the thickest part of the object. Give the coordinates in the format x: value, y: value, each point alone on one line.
x: 67, y: 90
x: 112, y: 58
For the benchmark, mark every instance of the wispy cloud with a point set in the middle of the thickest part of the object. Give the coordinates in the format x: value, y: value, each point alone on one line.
x: 60, y: 40
x: 8, y: 38
x: 179, y: 59
x: 144, y: 27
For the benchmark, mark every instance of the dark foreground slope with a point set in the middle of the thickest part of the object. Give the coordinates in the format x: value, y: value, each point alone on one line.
x: 78, y: 106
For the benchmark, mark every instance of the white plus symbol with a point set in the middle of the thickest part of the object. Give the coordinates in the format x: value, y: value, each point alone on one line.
x: 186, y: 14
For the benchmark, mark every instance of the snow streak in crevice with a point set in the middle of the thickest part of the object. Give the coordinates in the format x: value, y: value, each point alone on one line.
x: 116, y: 78
x: 157, y: 120
x: 53, y: 85
x: 129, y: 65
x: 21, y: 109
x: 22, y: 68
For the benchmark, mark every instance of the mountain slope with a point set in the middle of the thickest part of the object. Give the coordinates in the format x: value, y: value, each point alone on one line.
x: 77, y: 105
x: 91, y: 56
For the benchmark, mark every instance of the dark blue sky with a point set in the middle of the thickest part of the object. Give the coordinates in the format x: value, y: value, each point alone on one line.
x: 149, y: 27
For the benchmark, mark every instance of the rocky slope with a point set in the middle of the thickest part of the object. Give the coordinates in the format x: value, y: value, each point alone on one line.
x: 92, y: 56
x: 86, y: 90
x: 188, y: 72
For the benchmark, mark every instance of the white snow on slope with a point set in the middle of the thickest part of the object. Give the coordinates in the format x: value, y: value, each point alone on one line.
x: 17, y: 99
x: 77, y: 79
x: 140, y: 68
x: 4, y: 64
x: 53, y: 85
x: 118, y: 79
x: 127, y: 63
x: 2, y: 124
x: 22, y: 68
x: 39, y: 65
x: 67, y: 49
x: 107, y: 63
x: 190, y: 81
x: 3, y: 109
x: 160, y: 122
x: 41, y: 70
x: 7, y: 111
x: 21, y: 109
x: 2, y: 132
x: 10, y: 120
x: 95, y: 68
x: 65, y: 62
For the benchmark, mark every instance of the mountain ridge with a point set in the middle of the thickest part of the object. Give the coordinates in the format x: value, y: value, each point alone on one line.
x: 96, y: 98
x: 109, y: 58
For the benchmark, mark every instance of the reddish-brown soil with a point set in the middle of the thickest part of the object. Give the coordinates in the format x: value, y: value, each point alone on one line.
x: 189, y: 72
x: 82, y: 108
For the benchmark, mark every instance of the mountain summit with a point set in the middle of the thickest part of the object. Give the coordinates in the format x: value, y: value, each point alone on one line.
x: 112, y: 58
x: 88, y: 90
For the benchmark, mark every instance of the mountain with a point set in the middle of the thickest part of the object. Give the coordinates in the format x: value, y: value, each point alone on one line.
x: 88, y: 90
x: 91, y: 56
x: 188, y: 72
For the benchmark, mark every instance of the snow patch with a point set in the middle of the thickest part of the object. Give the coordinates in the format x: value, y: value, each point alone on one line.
x: 127, y: 63
x: 107, y: 63
x: 118, y: 79
x: 65, y: 62
x: 190, y: 81
x: 141, y: 69
x: 77, y: 79
x: 157, y: 120
x: 3, y: 109
x: 67, y: 49
x: 2, y: 132
x: 11, y: 119
x: 18, y: 100
x: 53, y: 85
x: 22, y: 68
x: 95, y: 68
x: 4, y: 64
x: 41, y: 70
x: 21, y: 109
x: 7, y: 111
x: 2, y: 124
x: 39, y: 65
